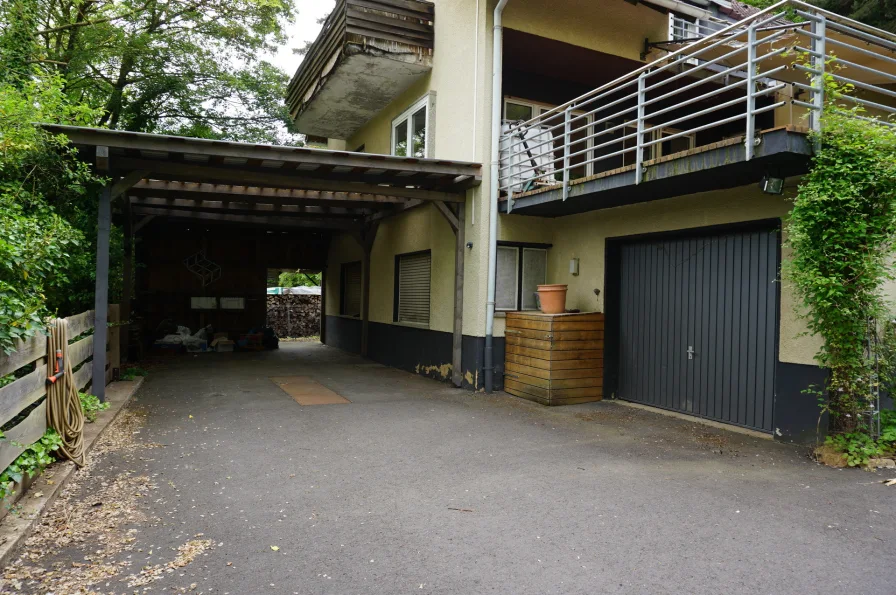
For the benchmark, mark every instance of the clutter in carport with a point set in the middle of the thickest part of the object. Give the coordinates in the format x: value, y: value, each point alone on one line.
x: 257, y: 339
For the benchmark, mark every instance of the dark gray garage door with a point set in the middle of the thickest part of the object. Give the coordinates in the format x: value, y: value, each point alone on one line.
x: 697, y: 325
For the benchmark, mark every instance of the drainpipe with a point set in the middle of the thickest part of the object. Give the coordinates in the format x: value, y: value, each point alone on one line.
x: 497, y: 67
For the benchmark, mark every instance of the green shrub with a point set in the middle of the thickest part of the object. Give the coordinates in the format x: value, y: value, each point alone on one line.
x: 31, y: 462
x: 131, y: 373
x: 91, y: 406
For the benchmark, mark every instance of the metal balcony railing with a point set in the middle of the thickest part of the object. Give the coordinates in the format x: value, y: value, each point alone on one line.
x: 730, y: 84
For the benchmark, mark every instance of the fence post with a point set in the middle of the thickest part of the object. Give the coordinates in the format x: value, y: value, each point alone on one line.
x: 750, y: 135
x: 566, y: 150
x: 639, y: 145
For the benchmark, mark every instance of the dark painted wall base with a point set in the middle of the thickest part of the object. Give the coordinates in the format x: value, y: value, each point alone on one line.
x: 422, y: 351
x: 797, y: 413
x: 428, y: 353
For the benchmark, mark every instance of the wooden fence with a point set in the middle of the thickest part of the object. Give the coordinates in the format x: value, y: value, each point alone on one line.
x: 21, y: 394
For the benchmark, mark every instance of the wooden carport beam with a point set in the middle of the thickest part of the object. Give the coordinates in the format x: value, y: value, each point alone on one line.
x: 223, y: 175
x: 101, y: 293
x: 263, y: 220
x: 143, y: 222
x: 128, y: 181
x: 456, y: 219
x: 250, y: 207
x: 166, y: 189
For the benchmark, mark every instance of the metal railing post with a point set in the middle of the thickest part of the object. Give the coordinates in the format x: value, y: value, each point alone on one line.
x: 566, y: 150
x: 639, y: 146
x: 750, y: 135
x: 818, y: 56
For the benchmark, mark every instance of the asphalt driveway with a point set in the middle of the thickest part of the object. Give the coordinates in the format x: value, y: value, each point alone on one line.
x: 415, y: 487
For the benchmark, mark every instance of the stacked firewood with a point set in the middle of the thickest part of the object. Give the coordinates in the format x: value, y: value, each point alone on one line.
x: 294, y: 315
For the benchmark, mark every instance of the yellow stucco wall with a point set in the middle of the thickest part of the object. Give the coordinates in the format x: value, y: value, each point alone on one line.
x: 584, y: 237
x: 419, y: 229
x: 613, y: 27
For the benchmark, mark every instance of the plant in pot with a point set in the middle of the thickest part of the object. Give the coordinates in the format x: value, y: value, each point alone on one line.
x: 552, y: 298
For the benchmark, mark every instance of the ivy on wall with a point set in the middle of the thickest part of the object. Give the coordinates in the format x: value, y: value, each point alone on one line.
x: 842, y: 230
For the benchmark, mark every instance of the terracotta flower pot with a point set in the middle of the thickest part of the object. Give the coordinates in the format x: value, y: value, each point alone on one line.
x: 552, y: 298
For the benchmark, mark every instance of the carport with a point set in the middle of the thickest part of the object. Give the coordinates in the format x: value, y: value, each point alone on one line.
x: 169, y: 180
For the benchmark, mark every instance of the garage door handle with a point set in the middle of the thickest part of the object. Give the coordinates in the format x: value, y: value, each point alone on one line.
x: 690, y: 352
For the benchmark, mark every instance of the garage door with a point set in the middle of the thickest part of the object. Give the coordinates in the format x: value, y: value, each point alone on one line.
x: 697, y: 325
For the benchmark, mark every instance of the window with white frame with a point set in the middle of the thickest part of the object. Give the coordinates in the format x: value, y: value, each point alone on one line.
x: 410, y: 136
x: 521, y: 269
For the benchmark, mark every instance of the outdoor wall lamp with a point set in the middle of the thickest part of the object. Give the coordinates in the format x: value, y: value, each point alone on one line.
x: 772, y: 185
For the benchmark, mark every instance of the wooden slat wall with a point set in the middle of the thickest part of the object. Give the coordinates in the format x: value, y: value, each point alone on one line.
x: 17, y: 396
x: 554, y: 359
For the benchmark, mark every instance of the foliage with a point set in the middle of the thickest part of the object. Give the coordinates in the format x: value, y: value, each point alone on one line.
x: 40, y: 180
x: 168, y: 66
x: 131, y: 373
x: 299, y: 278
x: 91, y: 406
x: 841, y: 231
x: 877, y: 13
x: 857, y: 447
x: 31, y: 462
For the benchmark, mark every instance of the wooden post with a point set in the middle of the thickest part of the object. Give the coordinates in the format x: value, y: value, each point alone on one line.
x: 127, y: 280
x: 323, y: 305
x: 114, y: 339
x: 365, y: 237
x: 457, y: 372
x: 101, y: 297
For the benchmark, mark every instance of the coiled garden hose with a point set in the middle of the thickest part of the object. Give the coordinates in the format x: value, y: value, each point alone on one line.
x: 64, y: 413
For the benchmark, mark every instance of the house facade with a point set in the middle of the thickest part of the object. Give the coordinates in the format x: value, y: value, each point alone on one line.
x: 623, y: 170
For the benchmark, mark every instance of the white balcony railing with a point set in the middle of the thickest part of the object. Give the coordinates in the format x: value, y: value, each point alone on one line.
x: 729, y: 84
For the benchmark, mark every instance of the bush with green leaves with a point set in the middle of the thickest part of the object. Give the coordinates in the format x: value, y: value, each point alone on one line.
x: 40, y: 179
x: 91, y: 406
x: 31, y: 462
x: 131, y: 373
x: 841, y: 231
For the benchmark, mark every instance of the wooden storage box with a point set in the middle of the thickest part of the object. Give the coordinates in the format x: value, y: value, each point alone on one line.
x: 554, y: 359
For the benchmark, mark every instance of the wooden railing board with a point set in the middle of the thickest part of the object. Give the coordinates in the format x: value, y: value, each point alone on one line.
x: 26, y: 352
x: 82, y: 376
x: 80, y: 323
x: 80, y: 351
x: 23, y: 435
x: 17, y: 396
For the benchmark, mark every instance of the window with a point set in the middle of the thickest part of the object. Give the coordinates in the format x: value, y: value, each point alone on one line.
x: 350, y: 298
x: 412, y: 282
x: 521, y: 269
x: 409, y: 131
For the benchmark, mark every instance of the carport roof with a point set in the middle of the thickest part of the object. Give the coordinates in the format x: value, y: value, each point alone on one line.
x: 248, y: 183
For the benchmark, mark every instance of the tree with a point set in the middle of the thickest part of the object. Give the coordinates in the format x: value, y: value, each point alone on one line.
x: 877, y: 13
x: 40, y: 177
x: 188, y: 67
x: 299, y: 278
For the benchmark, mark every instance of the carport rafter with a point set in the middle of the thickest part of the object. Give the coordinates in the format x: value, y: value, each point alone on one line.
x: 238, y: 207
x: 224, y: 192
x: 234, y: 175
x: 263, y: 220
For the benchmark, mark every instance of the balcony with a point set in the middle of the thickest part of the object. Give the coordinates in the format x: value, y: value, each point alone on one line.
x: 368, y: 52
x: 721, y: 109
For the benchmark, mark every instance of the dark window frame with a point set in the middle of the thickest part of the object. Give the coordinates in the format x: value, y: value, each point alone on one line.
x: 519, y: 270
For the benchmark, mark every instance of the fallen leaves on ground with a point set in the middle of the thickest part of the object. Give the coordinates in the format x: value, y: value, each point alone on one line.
x: 91, y: 518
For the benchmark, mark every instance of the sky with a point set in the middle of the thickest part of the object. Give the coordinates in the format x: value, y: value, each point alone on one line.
x: 305, y: 28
